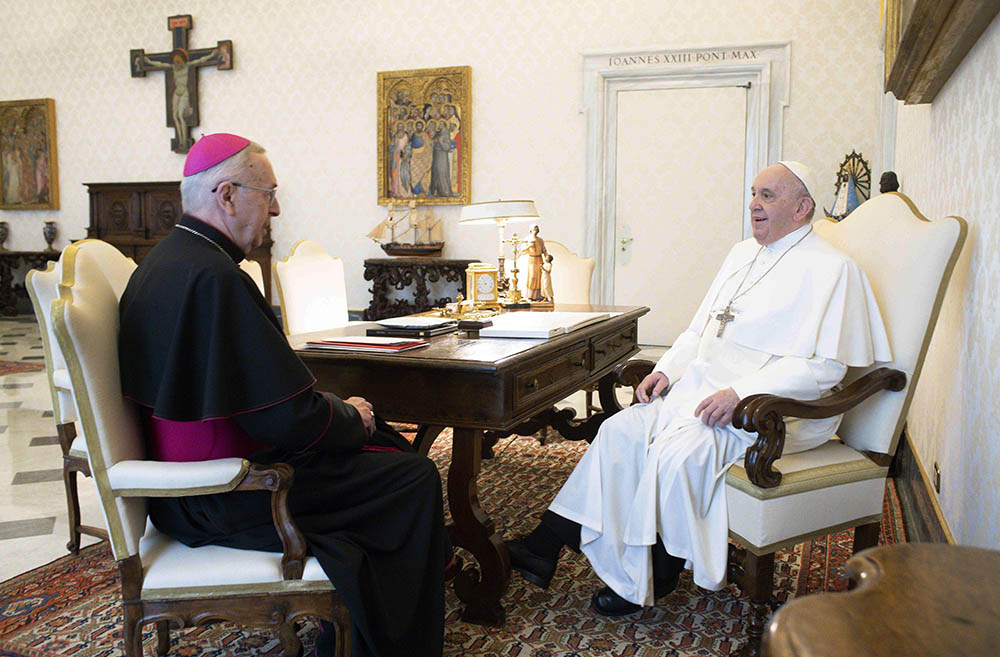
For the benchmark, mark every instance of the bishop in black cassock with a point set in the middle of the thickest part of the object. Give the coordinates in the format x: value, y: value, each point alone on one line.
x: 205, y: 360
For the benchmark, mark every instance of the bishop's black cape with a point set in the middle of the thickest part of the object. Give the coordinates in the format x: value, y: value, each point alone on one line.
x: 198, y: 341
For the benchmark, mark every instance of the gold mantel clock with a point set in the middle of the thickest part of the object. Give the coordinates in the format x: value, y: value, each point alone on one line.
x: 481, y: 284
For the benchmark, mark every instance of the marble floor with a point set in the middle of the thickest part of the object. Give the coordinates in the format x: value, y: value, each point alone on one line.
x: 33, y: 519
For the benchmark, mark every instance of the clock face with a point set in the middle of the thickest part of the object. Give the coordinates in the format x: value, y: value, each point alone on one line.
x: 484, y: 286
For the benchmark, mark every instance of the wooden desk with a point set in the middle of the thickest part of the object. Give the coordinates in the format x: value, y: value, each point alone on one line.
x: 914, y: 599
x: 489, y: 384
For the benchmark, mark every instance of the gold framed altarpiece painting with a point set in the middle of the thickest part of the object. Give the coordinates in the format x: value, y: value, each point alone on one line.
x: 29, y: 175
x: 424, y: 146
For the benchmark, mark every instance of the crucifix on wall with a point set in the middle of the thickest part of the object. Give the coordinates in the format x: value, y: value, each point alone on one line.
x: 180, y: 67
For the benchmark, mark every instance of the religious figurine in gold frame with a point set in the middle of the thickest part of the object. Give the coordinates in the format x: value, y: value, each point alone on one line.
x: 424, y: 117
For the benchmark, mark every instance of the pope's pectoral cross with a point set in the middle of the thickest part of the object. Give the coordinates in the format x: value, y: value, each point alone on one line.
x: 180, y: 67
x: 725, y: 317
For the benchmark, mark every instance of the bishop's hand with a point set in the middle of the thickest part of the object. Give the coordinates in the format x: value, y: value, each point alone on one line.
x: 716, y: 410
x: 654, y: 385
x: 366, y: 412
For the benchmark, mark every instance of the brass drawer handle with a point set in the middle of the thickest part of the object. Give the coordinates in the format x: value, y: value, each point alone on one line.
x: 580, y: 363
x: 531, y: 385
x: 600, y: 351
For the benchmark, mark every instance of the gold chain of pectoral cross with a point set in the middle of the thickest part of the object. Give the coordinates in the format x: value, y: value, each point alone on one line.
x: 726, y: 317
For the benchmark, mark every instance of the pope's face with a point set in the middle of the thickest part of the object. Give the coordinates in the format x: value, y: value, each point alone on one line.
x: 253, y: 207
x: 775, y: 207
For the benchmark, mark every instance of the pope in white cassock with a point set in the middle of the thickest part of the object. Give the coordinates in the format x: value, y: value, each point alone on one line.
x: 786, y: 314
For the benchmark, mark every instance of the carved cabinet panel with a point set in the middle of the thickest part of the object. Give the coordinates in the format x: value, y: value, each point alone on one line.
x: 134, y: 216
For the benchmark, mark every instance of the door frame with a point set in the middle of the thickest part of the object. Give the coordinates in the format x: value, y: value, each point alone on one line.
x: 764, y: 67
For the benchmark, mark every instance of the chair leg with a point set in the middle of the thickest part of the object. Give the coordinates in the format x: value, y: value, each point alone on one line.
x: 73, y: 507
x: 132, y: 631
x: 866, y: 536
x: 290, y: 644
x: 162, y: 637
x: 757, y: 582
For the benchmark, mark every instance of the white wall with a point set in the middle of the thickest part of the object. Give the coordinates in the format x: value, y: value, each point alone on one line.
x: 948, y: 158
x: 304, y: 80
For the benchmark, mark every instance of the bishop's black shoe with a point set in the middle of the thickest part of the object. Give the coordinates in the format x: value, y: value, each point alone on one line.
x: 608, y: 603
x: 533, y: 567
x: 664, y: 587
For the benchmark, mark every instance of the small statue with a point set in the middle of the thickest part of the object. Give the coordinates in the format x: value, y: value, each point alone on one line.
x: 888, y: 182
x: 547, y: 292
x: 535, y: 250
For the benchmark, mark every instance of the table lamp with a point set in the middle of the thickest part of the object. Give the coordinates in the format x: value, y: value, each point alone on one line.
x: 500, y: 213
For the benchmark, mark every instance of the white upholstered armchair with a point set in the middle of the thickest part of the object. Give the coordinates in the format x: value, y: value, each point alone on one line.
x: 311, y: 289
x: 571, y: 274
x: 163, y: 581
x: 42, y: 289
x: 778, y: 500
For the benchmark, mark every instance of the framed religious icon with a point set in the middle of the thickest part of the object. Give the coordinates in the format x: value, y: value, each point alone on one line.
x: 29, y: 176
x: 423, y: 136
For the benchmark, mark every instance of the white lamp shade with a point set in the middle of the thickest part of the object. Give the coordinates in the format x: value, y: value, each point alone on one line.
x: 493, y: 212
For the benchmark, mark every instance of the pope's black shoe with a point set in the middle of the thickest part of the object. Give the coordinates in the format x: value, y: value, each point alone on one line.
x: 533, y: 567
x: 608, y: 603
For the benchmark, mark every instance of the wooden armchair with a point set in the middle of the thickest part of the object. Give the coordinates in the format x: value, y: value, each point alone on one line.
x: 163, y: 581
x: 777, y: 500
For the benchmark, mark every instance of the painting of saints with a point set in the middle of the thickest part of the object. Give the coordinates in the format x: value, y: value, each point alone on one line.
x: 28, y: 177
x: 423, y: 137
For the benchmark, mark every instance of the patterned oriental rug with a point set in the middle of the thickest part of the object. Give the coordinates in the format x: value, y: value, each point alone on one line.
x: 72, y: 606
x: 16, y: 367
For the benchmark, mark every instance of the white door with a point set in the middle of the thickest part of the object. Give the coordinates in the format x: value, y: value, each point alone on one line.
x: 678, y: 199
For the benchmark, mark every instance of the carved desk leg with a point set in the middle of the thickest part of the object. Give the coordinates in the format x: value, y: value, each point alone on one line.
x: 474, y: 530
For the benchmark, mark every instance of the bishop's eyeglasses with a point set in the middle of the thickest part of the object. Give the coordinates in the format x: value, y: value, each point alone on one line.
x: 271, y: 191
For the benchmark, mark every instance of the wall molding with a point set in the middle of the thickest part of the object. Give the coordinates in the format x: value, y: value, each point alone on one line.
x: 922, y: 517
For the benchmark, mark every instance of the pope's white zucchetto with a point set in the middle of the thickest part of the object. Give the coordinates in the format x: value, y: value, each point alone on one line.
x: 805, y: 175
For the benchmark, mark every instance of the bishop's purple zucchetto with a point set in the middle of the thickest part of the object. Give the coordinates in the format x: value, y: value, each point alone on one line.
x: 212, y: 149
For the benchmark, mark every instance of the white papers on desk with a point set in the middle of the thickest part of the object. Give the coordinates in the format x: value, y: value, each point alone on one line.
x: 531, y: 324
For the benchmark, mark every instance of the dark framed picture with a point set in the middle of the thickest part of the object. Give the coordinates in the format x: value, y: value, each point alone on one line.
x: 29, y: 175
x: 423, y: 136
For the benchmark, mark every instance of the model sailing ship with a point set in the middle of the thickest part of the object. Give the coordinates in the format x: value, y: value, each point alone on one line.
x: 409, y: 232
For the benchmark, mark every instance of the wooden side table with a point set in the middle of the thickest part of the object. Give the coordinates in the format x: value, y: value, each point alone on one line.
x: 9, y: 262
x: 914, y: 599
x: 412, y: 275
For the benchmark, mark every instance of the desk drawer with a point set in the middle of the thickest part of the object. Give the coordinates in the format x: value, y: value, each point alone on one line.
x: 610, y: 347
x: 550, y: 375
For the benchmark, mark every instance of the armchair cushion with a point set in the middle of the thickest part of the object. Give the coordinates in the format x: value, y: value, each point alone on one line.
x: 822, y: 490
x: 169, y: 565
x: 140, y: 478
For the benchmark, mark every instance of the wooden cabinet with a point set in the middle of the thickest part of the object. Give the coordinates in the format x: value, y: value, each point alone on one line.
x: 134, y: 216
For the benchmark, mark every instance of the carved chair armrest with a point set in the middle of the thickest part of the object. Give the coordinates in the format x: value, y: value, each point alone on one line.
x: 140, y: 478
x: 764, y: 414
x: 277, y: 478
x: 629, y: 374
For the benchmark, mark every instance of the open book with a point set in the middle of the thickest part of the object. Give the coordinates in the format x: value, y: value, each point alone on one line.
x: 367, y: 343
x: 530, y: 324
